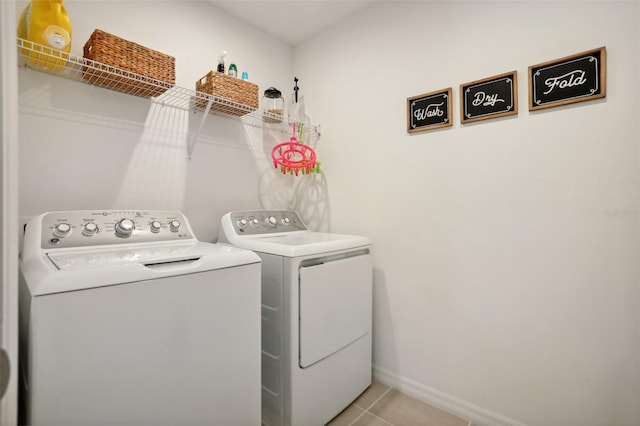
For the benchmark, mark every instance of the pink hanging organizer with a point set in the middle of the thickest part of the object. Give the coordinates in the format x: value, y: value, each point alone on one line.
x: 293, y: 156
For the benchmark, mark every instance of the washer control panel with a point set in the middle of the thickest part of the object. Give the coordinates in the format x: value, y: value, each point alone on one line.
x: 96, y: 228
x: 259, y: 222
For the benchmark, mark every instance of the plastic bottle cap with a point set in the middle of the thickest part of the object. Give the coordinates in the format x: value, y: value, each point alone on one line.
x: 57, y: 37
x: 245, y: 75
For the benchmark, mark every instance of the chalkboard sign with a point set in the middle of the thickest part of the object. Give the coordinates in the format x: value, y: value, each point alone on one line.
x: 429, y: 111
x: 575, y: 78
x: 490, y: 97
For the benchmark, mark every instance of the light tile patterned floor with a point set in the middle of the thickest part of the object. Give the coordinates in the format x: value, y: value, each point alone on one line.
x: 381, y: 405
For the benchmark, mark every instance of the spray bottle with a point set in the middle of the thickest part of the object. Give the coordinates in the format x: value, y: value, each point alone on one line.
x: 221, y: 58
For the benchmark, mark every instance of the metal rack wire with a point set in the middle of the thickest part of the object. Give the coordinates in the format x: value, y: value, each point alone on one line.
x: 72, y: 67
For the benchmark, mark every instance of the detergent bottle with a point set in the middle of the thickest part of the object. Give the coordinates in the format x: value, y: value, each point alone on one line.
x: 46, y: 23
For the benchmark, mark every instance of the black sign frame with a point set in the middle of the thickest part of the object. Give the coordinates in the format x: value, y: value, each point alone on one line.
x: 429, y: 111
x: 576, y: 78
x: 491, y: 97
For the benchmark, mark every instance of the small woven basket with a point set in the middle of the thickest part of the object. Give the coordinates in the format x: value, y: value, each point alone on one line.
x: 228, y: 91
x: 137, y: 70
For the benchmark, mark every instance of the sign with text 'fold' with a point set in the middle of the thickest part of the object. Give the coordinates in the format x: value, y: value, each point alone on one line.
x: 575, y: 78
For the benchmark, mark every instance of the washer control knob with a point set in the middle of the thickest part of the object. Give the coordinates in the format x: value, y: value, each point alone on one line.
x: 62, y: 230
x: 155, y: 226
x: 270, y: 221
x: 242, y: 223
x: 254, y: 222
x: 285, y: 221
x: 174, y: 225
x: 90, y: 229
x: 124, y: 228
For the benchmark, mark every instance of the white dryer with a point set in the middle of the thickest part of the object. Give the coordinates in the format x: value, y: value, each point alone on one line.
x: 127, y: 319
x: 316, y: 314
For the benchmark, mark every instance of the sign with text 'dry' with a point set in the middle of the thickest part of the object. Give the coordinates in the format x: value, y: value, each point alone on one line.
x: 429, y: 111
x: 490, y: 97
x: 575, y: 78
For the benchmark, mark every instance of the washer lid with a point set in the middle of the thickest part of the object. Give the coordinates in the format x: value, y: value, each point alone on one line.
x: 301, y: 243
x: 80, y: 269
x: 145, y: 255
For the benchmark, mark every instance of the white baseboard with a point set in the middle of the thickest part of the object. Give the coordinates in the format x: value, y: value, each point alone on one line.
x: 477, y: 415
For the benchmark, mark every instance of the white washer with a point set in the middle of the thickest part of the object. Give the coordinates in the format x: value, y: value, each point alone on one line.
x: 127, y: 319
x: 316, y: 314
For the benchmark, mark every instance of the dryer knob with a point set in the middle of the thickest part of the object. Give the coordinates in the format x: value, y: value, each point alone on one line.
x: 242, y: 223
x: 174, y: 225
x: 285, y: 221
x: 254, y: 222
x: 124, y: 228
x: 62, y: 230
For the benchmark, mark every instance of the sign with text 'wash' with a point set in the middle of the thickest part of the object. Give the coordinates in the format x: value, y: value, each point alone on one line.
x: 429, y: 111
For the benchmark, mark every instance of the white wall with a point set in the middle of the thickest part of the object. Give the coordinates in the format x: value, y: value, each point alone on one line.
x: 9, y: 216
x: 506, y: 251
x: 84, y: 147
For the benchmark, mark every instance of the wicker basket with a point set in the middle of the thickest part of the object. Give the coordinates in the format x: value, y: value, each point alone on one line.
x: 228, y: 91
x: 137, y: 70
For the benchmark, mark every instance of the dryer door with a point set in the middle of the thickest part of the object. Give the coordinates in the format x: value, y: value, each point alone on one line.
x: 335, y: 306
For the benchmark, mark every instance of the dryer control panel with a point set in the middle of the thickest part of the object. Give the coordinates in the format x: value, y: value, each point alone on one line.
x: 103, y: 227
x: 264, y: 222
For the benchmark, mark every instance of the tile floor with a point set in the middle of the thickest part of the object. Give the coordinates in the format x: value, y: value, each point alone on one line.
x: 381, y: 405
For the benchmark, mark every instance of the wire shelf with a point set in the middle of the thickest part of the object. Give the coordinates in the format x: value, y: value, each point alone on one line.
x: 72, y: 67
